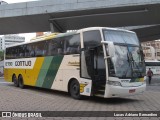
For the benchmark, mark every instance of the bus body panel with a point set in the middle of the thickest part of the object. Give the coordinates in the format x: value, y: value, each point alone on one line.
x: 49, y: 72
x: 70, y: 69
x: 126, y: 89
x: 29, y: 74
x: 118, y: 91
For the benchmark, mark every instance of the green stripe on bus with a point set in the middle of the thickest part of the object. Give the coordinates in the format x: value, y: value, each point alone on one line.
x: 43, y: 71
x: 52, y: 71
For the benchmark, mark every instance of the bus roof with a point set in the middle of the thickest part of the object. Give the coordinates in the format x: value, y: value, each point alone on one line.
x: 152, y: 61
x: 56, y: 35
x: 44, y: 37
x: 107, y: 28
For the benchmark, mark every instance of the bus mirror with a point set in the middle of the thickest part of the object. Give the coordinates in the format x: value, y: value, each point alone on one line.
x: 110, y: 49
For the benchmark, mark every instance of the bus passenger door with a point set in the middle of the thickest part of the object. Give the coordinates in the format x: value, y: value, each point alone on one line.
x: 93, y: 67
x: 85, y: 73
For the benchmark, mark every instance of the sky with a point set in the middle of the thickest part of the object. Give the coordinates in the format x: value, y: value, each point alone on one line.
x: 27, y: 36
x: 17, y: 1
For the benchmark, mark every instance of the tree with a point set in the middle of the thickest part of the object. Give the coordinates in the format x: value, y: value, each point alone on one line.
x: 1, y: 55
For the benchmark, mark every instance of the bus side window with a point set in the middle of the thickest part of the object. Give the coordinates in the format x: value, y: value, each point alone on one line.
x: 22, y: 51
x: 49, y: 47
x: 8, y: 53
x: 52, y: 47
x: 16, y: 52
x: 39, y: 49
x: 45, y: 49
x: 60, y: 46
x: 27, y: 51
x: 72, y: 44
x: 32, y: 50
x: 13, y: 53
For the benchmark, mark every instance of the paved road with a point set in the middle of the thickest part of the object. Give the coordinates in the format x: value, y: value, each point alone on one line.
x: 35, y: 99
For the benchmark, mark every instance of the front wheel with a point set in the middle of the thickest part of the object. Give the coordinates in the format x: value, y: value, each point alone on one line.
x: 74, y: 89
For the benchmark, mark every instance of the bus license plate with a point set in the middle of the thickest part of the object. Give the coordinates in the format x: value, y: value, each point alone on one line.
x: 132, y: 90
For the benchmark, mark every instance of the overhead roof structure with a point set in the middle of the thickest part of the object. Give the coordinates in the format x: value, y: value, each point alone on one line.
x: 75, y: 14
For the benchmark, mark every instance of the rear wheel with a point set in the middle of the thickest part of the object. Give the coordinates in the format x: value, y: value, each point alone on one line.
x: 74, y: 89
x: 21, y: 82
x: 15, y: 81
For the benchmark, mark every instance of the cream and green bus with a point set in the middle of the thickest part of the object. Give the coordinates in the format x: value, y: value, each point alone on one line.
x: 96, y: 61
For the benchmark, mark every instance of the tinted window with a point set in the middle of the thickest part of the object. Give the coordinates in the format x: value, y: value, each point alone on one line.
x: 21, y: 51
x: 91, y: 38
x: 32, y: 50
x: 72, y: 44
x: 55, y: 46
x: 28, y: 49
x: 152, y: 63
x: 52, y: 47
x: 39, y: 49
x: 8, y: 53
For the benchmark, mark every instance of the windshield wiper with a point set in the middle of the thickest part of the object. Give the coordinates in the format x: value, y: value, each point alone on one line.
x: 125, y: 74
x: 135, y: 64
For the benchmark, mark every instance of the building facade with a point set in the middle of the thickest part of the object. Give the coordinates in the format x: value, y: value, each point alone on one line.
x: 10, y: 40
x: 3, y: 2
x: 147, y: 52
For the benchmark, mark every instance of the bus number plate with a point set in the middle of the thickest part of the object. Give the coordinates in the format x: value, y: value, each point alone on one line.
x: 132, y: 90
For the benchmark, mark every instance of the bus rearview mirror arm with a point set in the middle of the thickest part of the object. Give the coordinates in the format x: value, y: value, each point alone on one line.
x: 111, y: 48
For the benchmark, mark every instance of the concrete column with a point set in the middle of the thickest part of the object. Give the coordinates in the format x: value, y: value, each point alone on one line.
x: 53, y: 28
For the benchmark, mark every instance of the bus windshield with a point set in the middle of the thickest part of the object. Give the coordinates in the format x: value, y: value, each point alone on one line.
x: 121, y: 37
x: 128, y: 61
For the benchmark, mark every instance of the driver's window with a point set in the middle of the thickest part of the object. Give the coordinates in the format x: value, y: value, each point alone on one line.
x: 91, y: 39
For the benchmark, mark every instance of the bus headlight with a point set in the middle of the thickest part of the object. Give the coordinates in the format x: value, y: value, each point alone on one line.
x: 115, y: 83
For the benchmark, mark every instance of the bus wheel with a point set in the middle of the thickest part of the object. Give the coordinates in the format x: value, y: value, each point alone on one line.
x: 74, y: 89
x: 15, y: 81
x: 20, y: 82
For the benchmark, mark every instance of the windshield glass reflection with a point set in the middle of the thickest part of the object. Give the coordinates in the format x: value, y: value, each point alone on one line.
x: 128, y: 61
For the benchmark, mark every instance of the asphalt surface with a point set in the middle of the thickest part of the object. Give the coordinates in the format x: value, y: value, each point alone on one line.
x: 36, y: 99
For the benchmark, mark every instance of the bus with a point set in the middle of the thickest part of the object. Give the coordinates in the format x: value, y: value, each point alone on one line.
x: 151, y: 59
x: 95, y: 61
x: 154, y: 65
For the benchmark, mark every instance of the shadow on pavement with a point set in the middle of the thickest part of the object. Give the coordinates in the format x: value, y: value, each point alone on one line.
x: 41, y: 90
x: 111, y: 101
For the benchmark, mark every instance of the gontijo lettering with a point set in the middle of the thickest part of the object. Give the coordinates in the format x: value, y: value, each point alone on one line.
x: 23, y: 63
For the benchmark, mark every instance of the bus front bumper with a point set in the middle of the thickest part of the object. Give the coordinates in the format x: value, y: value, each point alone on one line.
x: 119, y: 91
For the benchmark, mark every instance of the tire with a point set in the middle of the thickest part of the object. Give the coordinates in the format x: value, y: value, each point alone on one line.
x: 74, y: 90
x: 15, y: 81
x: 21, y: 82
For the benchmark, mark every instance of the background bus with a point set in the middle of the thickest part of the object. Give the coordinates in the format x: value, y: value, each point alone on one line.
x: 151, y: 59
x: 154, y: 65
x: 95, y: 61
